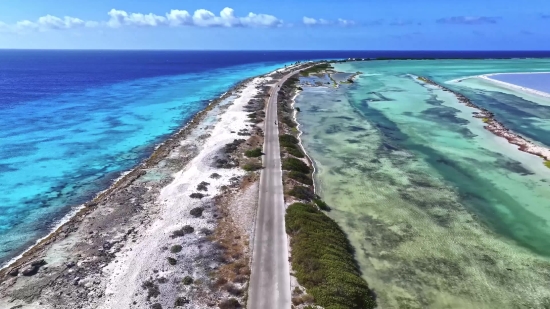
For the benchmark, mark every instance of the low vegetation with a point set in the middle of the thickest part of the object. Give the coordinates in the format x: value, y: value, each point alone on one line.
x: 297, y: 152
x: 172, y: 261
x: 293, y: 164
x: 547, y: 164
x: 323, y: 260
x: 250, y: 167
x: 302, y: 193
x: 253, y: 153
x: 176, y: 248
x: 316, y: 69
x: 288, y: 140
x: 301, y: 177
x: 321, y: 204
x: 187, y: 280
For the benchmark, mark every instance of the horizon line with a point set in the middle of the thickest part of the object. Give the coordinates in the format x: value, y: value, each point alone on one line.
x: 278, y: 50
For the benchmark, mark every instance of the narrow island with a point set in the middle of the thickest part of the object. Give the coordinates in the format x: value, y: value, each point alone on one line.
x: 495, y: 126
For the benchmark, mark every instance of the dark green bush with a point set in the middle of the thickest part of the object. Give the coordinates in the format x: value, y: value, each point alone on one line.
x: 289, y: 122
x: 301, y: 177
x: 323, y: 260
x: 287, y: 139
x: 231, y: 303
x: 196, y: 212
x: 175, y: 248
x: 181, y: 232
x: 321, y: 204
x: 295, y: 152
x: 187, y: 280
x: 172, y: 261
x: 250, y: 167
x: 302, y: 193
x: 293, y: 164
x: 253, y: 153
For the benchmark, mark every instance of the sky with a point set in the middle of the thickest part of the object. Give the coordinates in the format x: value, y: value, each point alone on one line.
x: 276, y: 24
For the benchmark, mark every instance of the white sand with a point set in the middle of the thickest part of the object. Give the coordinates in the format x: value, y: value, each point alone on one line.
x: 126, y: 276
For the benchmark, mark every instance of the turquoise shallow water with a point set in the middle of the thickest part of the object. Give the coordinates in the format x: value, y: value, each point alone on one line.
x: 443, y: 214
x: 59, y: 151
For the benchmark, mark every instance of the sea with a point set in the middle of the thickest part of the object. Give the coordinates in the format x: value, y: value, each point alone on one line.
x: 73, y: 121
x: 539, y: 82
x: 442, y: 213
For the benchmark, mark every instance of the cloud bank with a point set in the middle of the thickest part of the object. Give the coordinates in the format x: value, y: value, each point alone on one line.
x: 468, y: 20
x: 309, y: 21
x: 200, y: 18
x: 174, y: 18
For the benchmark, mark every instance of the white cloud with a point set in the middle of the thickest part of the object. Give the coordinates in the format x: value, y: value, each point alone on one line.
x: 200, y: 18
x: 312, y: 21
x: 309, y: 21
x: 179, y: 18
x: 174, y: 18
x: 320, y: 22
x: 345, y: 22
x: 121, y: 18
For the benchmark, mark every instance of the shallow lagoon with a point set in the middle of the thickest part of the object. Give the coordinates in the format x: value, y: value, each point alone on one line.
x: 443, y: 214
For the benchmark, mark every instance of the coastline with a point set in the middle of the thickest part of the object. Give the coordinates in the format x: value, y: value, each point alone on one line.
x: 152, y: 206
x: 494, y: 125
x: 310, y: 230
x: 160, y: 150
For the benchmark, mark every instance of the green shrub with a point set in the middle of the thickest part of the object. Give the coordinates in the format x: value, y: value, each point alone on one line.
x: 250, y: 167
x: 230, y: 303
x: 187, y: 280
x: 175, y: 249
x: 172, y: 261
x: 547, y: 164
x: 323, y: 260
x: 295, y: 152
x: 302, y: 193
x: 321, y: 204
x: 288, y: 139
x: 253, y: 153
x: 293, y: 164
x: 196, y: 212
x: 289, y: 122
x: 301, y: 177
x: 316, y: 69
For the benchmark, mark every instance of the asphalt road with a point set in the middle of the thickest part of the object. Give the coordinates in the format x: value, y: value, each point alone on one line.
x: 270, y: 277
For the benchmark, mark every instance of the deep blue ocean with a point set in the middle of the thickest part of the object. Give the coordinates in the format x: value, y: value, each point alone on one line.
x: 72, y: 121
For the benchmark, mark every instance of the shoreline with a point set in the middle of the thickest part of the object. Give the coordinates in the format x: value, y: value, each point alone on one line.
x: 307, y: 223
x: 192, y: 179
x: 127, y: 175
x: 494, y: 126
x: 295, y: 119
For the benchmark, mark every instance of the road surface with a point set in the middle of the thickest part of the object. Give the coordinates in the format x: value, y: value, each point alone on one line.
x: 270, y: 277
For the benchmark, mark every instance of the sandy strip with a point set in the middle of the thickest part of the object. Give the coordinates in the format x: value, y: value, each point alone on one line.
x: 114, y: 252
x: 126, y: 276
x: 494, y: 125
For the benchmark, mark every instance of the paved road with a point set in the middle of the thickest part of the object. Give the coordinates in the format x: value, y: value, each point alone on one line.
x: 270, y: 278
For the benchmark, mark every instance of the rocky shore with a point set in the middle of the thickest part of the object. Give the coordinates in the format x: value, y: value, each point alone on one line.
x: 173, y: 232
x: 495, y: 126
